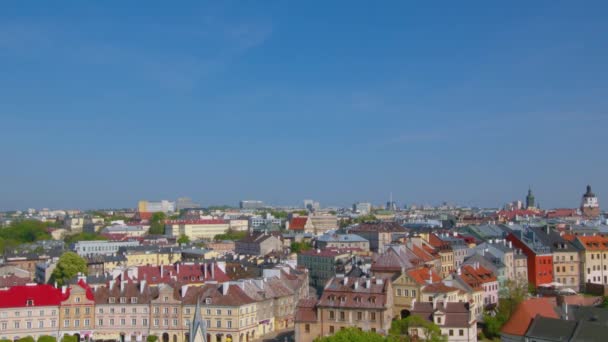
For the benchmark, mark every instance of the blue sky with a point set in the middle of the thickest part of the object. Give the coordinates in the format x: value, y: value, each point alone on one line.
x: 105, y: 103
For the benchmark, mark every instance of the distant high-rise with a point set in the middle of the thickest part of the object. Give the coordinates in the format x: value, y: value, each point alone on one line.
x: 530, y: 200
x: 311, y: 205
x: 186, y: 203
x: 163, y: 206
x: 251, y: 204
x: 362, y: 208
x: 590, y: 206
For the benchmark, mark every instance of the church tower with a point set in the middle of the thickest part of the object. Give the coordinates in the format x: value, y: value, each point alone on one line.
x: 590, y: 206
x: 530, y: 200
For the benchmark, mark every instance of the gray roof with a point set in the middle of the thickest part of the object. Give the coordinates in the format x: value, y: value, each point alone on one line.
x: 552, y: 329
x: 341, y: 238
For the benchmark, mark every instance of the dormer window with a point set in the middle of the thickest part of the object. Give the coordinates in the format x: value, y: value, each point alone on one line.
x: 123, y: 300
x: 111, y: 300
x: 77, y: 299
x: 208, y: 300
x: 372, y: 299
x: 357, y: 299
x: 342, y: 299
x: 29, y: 302
x: 133, y: 300
x: 166, y: 299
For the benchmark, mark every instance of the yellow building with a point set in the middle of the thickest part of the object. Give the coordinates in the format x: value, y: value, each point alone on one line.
x: 407, y: 287
x: 77, y: 311
x: 145, y: 255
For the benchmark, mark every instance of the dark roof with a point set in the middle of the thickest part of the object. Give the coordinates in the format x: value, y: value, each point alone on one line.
x: 383, y: 227
x: 589, y: 332
x: 306, y: 311
x: 457, y: 315
x: 552, y: 329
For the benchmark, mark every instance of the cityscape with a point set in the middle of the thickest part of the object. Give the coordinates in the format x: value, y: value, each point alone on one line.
x: 303, y: 171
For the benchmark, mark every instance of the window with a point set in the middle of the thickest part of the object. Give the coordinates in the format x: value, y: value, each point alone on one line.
x: 111, y: 321
x: 66, y: 311
x: 66, y: 323
x: 40, y: 324
x: 342, y: 316
x: 174, y: 322
x: 359, y: 315
x: 439, y: 319
x: 331, y: 329
x: 41, y: 312
x: 77, y: 299
x: 28, y: 325
x: 156, y: 309
x: 53, y: 323
x: 332, y: 315
x: 460, y: 332
x: 144, y: 322
x: 77, y: 311
x: 29, y: 302
x: 218, y: 312
x: 111, y: 300
x: 306, y: 328
x: 218, y: 323
x: 229, y: 312
x: 123, y: 300
x: 451, y: 332
x: 229, y: 324
x: 372, y: 316
x: 165, y: 322
x: 133, y: 300
x: 4, y: 326
x: 156, y: 322
x: 208, y: 312
x: 16, y: 325
x: 175, y: 311
x: 87, y: 311
x: 166, y: 299
x: 100, y: 322
x: 123, y: 321
x: 398, y: 292
x: 100, y: 310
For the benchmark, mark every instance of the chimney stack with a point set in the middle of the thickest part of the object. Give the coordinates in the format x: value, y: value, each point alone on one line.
x: 212, y: 270
x: 225, y: 287
x: 142, y: 286
x: 64, y: 289
x: 205, y: 270
x: 367, y: 283
x: 184, y: 290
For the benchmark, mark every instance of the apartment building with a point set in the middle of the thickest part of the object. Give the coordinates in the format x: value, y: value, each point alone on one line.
x: 379, y: 234
x: 594, y: 254
x: 166, y: 314
x: 196, y: 229
x: 101, y: 247
x: 29, y: 310
x: 322, y: 264
x: 122, y: 311
x: 456, y: 320
x: 566, y: 257
x: 539, y: 257
x: 345, y: 303
x: 259, y: 244
x: 407, y: 288
x: 342, y: 241
x: 151, y: 255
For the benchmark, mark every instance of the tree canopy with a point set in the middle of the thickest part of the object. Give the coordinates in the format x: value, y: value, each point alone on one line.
x: 183, y: 239
x: 83, y: 237
x: 430, y: 331
x: 24, y: 231
x: 46, y: 338
x: 68, y: 266
x: 352, y: 335
x: 297, y: 247
x: 69, y: 338
x: 157, y: 223
x: 511, y: 295
x: 26, y: 339
x: 230, y: 235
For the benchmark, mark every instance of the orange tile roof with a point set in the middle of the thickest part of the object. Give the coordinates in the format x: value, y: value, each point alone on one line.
x: 421, y: 275
x: 422, y: 254
x: 594, y: 243
x: 298, y: 223
x: 521, y: 319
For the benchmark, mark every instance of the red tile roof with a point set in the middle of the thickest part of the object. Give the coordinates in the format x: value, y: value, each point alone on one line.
x: 298, y: 223
x: 306, y: 311
x: 475, y: 277
x: 41, y: 295
x: 521, y: 319
x: 188, y: 273
x: 562, y: 213
x: 85, y: 286
x: 12, y: 280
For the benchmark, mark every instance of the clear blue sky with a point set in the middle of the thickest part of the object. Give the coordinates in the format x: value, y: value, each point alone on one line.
x: 105, y: 103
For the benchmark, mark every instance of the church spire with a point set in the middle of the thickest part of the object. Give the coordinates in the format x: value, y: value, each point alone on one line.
x: 198, y: 330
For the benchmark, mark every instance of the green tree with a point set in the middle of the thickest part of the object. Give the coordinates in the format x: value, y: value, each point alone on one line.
x: 510, y: 296
x: 297, y: 247
x: 46, y: 338
x: 83, y: 237
x: 69, y: 338
x: 230, y: 235
x: 26, y: 339
x: 183, y: 239
x: 157, y: 223
x: 68, y: 266
x: 152, y: 338
x: 430, y: 331
x: 352, y: 335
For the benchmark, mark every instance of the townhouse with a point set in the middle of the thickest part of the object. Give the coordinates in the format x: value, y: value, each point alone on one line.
x: 166, y: 313
x: 539, y: 257
x: 594, y: 254
x: 566, y: 257
x: 456, y: 320
x: 379, y: 234
x: 77, y: 311
x: 407, y: 288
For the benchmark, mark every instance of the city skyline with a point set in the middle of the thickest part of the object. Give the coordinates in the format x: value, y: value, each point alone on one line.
x: 106, y: 104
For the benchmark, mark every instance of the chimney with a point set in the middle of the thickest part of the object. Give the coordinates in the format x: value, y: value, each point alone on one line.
x: 212, y: 270
x: 510, y: 244
x: 459, y: 272
x: 367, y: 283
x: 345, y: 280
x: 122, y: 285
x: 205, y: 270
x: 430, y: 280
x: 161, y: 271
x: 177, y: 273
x: 356, y: 285
x: 435, y: 299
x: 225, y: 287
x: 64, y: 289
x: 142, y: 286
x: 112, y: 284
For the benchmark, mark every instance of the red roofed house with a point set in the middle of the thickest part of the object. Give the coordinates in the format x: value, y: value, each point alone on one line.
x: 301, y: 224
x: 30, y: 310
x: 516, y: 327
x: 183, y: 273
x: 77, y: 312
x: 407, y: 288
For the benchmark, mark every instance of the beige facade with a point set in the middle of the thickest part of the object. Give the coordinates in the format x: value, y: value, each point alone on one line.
x: 77, y: 312
x: 566, y: 268
x: 137, y: 258
x: 196, y: 229
x: 166, y: 315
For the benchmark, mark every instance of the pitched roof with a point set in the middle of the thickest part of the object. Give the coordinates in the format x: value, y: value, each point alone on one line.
x: 306, y: 311
x: 41, y: 295
x: 183, y: 272
x: 298, y: 222
x: 457, y: 315
x: 234, y: 296
x: 345, y: 292
x: 552, y: 329
x: 593, y: 243
x: 382, y: 227
x: 422, y: 274
x: 439, y: 288
x: 524, y: 314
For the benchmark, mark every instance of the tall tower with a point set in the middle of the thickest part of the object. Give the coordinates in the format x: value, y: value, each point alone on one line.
x: 590, y: 207
x: 530, y: 201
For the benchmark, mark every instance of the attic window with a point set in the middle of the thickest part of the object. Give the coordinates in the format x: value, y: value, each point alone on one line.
x: 372, y: 299
x: 123, y: 300
x: 342, y: 299
x: 30, y: 302
x: 358, y: 299
x: 111, y: 300
x: 207, y: 300
x: 133, y: 300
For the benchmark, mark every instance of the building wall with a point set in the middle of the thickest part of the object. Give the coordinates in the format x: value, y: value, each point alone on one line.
x: 32, y: 321
x: 77, y: 314
x: 566, y: 268
x: 236, y: 321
